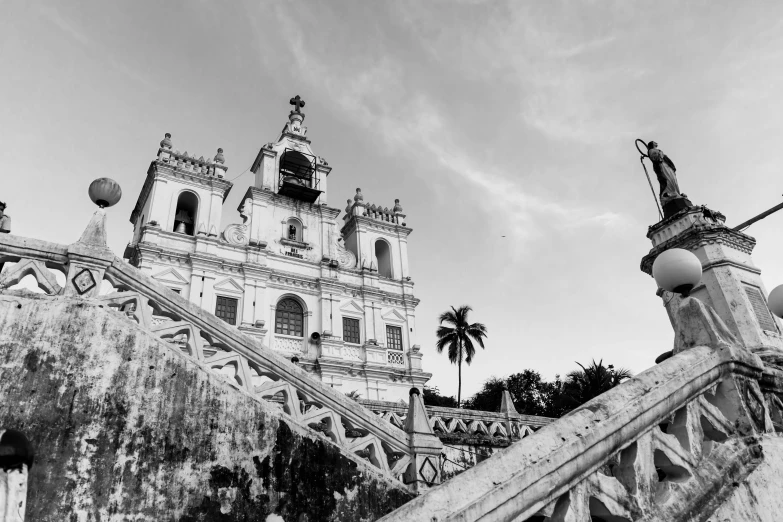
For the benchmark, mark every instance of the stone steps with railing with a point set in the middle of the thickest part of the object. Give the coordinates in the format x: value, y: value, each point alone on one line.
x: 204, y: 337
x: 671, y: 444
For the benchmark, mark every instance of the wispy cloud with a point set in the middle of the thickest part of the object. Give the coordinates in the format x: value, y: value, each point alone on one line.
x: 54, y: 16
x: 375, y: 95
x: 72, y: 30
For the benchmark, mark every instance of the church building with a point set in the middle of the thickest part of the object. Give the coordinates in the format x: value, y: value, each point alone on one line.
x: 334, y: 295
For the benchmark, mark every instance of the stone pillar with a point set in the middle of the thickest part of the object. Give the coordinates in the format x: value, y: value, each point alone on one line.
x: 424, y: 469
x: 16, y: 459
x: 414, y: 358
x: 88, y: 259
x: 264, y: 168
x: 508, y: 410
x: 731, y: 284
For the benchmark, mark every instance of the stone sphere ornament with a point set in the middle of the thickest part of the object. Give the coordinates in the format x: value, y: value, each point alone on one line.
x: 775, y: 301
x: 105, y: 192
x: 677, y: 270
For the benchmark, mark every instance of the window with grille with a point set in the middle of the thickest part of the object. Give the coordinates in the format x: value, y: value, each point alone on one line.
x: 226, y: 309
x: 351, y: 330
x: 394, y: 337
x: 289, y: 317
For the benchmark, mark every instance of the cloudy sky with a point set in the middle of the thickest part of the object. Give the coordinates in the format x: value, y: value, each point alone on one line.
x: 486, y: 119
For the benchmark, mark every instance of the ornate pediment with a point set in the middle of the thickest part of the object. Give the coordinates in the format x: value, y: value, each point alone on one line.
x: 228, y: 285
x: 393, y: 315
x: 170, y: 275
x: 352, y: 306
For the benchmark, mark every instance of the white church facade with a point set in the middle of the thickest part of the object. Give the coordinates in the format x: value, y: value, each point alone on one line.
x: 333, y: 294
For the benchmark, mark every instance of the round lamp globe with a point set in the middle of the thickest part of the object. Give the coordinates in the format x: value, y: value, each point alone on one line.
x: 677, y: 270
x: 775, y: 301
x: 105, y: 192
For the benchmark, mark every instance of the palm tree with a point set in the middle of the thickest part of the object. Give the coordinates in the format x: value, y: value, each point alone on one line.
x: 588, y: 383
x: 459, y: 339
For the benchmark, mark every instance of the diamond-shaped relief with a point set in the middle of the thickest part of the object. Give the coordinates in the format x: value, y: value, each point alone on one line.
x: 84, y: 281
x: 428, y: 471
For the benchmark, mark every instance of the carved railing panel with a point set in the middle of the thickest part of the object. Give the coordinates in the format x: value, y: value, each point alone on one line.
x: 223, y: 349
x: 445, y: 421
x: 395, y: 358
x: 287, y: 344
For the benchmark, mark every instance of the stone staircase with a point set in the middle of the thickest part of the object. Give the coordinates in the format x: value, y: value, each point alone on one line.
x: 94, y: 277
x: 695, y: 438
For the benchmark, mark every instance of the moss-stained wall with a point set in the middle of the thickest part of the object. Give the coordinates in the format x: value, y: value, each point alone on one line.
x: 126, y: 428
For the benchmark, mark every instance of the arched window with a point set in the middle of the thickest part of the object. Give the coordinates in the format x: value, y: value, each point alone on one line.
x: 293, y: 230
x: 186, y: 214
x: 295, y: 167
x: 383, y: 258
x: 289, y: 318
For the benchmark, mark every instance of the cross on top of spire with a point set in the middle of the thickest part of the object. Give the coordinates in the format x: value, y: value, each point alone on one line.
x: 298, y: 103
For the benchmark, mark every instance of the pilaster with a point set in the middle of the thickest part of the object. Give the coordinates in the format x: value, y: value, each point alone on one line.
x: 424, y: 470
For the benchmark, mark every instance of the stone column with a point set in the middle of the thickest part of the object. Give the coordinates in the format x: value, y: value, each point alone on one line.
x: 414, y: 358
x: 424, y: 469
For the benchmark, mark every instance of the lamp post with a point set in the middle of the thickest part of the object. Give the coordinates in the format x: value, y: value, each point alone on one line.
x: 105, y: 192
x: 775, y: 301
x: 677, y: 270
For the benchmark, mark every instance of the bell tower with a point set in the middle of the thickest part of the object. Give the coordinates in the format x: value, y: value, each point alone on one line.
x: 289, y: 167
x: 182, y: 194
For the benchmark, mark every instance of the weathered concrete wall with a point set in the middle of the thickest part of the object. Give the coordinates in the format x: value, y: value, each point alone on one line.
x: 758, y: 498
x: 126, y: 428
x: 463, y: 456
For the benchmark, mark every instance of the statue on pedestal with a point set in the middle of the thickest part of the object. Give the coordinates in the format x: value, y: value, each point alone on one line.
x: 666, y: 172
x: 671, y: 199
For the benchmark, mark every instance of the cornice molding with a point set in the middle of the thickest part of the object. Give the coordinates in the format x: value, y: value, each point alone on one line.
x: 700, y: 235
x: 365, y: 223
x: 280, y: 201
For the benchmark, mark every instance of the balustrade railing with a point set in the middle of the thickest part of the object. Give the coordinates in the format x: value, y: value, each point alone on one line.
x: 395, y: 358
x: 657, y: 446
x: 448, y: 421
x: 199, y: 334
x: 289, y: 344
x: 352, y: 353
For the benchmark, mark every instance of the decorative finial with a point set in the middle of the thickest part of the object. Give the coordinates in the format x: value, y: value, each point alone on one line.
x: 104, y: 192
x: 166, y: 142
x: 298, y: 103
x: 349, y: 207
x: 397, y: 206
x: 359, y: 196
x: 219, y: 158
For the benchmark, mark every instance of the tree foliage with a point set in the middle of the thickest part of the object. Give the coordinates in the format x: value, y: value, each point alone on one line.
x: 532, y: 395
x: 458, y: 339
x: 432, y: 397
x: 588, y: 383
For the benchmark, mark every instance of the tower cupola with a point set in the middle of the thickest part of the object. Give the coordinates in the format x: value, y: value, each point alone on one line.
x: 289, y: 167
